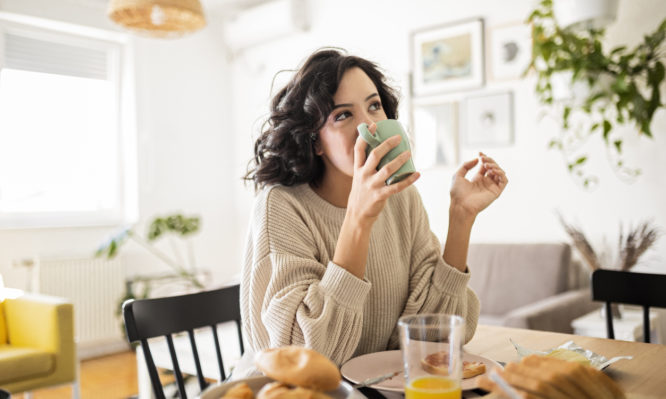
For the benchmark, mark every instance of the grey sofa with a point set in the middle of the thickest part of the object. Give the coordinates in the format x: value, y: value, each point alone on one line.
x: 534, y: 286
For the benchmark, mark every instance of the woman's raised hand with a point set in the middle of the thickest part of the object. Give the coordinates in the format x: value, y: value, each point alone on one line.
x: 473, y: 196
x: 369, y: 191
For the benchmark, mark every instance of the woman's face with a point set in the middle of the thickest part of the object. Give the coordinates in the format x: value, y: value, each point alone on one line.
x: 356, y: 100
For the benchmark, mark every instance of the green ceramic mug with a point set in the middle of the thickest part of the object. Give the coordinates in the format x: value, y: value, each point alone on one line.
x: 386, y: 129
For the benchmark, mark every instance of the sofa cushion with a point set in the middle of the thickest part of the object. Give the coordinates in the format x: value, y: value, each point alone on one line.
x: 508, y: 276
x: 23, y: 363
x: 3, y: 325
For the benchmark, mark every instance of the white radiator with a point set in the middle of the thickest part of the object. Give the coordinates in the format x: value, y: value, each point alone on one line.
x: 95, y: 287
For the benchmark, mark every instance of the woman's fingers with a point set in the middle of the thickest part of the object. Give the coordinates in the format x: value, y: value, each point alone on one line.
x: 359, y: 152
x: 466, y: 167
x: 373, y: 128
x: 488, y: 163
x: 499, y: 174
x: 395, y: 188
x: 360, y: 146
x: 494, y: 169
x: 490, y: 169
x: 378, y: 153
x: 387, y: 170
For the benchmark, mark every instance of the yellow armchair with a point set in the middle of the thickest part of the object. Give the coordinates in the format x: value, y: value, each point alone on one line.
x: 37, y: 347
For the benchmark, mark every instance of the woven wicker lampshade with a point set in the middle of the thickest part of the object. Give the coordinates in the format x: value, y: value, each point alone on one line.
x: 161, y: 18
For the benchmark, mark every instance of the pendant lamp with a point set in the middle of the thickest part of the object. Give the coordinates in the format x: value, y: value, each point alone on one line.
x: 158, y: 18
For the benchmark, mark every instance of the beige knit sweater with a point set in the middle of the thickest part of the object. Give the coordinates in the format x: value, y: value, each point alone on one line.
x: 292, y: 292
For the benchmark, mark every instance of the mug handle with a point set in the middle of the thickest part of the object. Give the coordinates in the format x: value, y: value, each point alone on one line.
x: 369, y: 138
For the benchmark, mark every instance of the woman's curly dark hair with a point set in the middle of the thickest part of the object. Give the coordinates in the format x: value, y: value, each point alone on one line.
x: 285, y: 152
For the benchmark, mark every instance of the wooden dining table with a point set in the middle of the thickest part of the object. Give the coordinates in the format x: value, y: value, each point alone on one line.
x: 643, y: 377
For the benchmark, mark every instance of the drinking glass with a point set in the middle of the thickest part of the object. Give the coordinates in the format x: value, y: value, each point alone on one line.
x: 432, y: 355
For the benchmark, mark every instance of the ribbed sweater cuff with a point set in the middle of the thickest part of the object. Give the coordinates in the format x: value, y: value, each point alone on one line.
x: 345, y: 288
x: 450, y: 280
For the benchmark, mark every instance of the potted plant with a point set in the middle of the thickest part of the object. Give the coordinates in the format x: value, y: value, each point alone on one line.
x: 159, y: 227
x: 607, y: 88
x: 182, y: 272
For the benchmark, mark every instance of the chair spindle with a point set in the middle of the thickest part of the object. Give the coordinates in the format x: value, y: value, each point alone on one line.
x: 218, y: 352
x: 152, y: 370
x: 176, y: 367
x: 240, y: 336
x: 197, y: 361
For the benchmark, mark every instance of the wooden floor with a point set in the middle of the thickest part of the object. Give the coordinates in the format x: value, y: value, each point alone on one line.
x: 109, y: 377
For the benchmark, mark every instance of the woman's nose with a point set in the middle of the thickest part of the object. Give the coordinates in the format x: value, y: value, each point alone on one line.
x: 370, y: 119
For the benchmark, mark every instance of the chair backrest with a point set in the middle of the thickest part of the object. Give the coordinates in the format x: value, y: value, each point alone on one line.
x: 498, y: 269
x: 155, y: 317
x: 644, y: 289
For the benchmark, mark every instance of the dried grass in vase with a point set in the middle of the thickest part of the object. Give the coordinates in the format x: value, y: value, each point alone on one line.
x: 630, y: 246
x: 636, y: 242
x: 581, y: 244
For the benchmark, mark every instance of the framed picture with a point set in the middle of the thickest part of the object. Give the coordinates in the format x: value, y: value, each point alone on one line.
x: 488, y: 120
x: 510, y: 51
x: 435, y: 134
x: 447, y: 58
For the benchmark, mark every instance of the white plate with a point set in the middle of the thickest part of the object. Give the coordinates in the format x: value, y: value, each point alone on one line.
x: 344, y: 391
x: 374, y: 364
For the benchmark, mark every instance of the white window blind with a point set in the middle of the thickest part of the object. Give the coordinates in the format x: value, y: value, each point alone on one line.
x: 65, y: 141
x: 29, y: 54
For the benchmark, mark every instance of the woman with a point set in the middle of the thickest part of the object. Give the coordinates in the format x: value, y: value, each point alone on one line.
x: 334, y: 256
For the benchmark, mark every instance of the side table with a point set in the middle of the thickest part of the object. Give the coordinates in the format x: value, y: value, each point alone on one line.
x: 628, y: 328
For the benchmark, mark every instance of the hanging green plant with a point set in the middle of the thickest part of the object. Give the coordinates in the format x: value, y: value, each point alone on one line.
x: 623, y: 85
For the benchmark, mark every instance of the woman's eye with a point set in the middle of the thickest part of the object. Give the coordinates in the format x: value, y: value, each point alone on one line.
x: 376, y: 106
x: 342, y: 116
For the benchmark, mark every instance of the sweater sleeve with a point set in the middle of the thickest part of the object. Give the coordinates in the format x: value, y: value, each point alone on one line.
x: 434, y: 286
x: 296, y: 298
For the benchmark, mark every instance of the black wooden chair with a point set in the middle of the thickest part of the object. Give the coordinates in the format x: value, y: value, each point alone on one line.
x: 155, y: 317
x: 644, y: 289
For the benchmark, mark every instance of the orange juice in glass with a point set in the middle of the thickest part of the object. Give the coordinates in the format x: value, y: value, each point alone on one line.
x: 431, y: 347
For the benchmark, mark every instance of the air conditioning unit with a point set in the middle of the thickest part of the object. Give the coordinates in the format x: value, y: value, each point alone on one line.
x: 267, y: 21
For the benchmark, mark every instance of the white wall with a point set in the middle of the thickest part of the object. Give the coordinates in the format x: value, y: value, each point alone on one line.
x: 539, y: 182
x: 183, y: 109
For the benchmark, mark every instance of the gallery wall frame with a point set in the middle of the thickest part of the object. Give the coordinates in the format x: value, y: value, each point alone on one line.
x: 487, y: 120
x: 510, y: 50
x: 447, y: 58
x: 435, y: 133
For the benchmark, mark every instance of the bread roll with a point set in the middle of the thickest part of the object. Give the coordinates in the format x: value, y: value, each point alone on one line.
x: 278, y: 390
x: 295, y: 365
x: 239, y: 391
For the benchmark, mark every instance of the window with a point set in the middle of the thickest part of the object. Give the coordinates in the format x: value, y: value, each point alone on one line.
x: 66, y: 144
